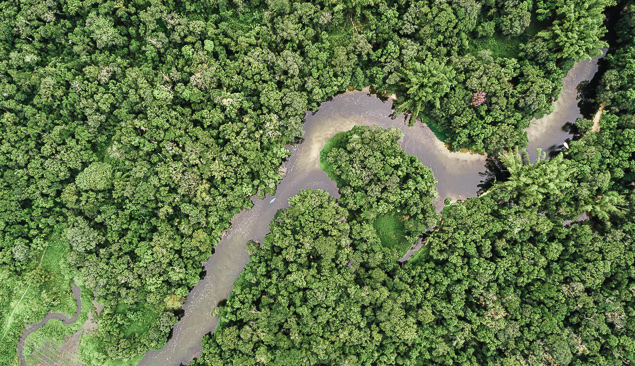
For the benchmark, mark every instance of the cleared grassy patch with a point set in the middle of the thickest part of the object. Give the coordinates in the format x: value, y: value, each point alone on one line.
x: 60, y: 275
x: 391, y: 230
x: 499, y: 45
x: 27, y: 298
x: 54, y: 338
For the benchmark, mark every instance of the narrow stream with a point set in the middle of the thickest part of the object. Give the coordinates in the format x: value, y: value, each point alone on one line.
x: 76, y: 292
x: 458, y: 174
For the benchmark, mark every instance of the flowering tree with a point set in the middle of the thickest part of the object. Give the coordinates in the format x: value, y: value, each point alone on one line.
x: 478, y: 99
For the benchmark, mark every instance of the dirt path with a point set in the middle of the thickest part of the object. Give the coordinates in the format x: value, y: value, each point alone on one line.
x: 596, y: 119
x: 63, y: 318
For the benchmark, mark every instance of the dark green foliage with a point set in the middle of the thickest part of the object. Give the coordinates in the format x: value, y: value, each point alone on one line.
x: 519, y: 284
x: 502, y: 280
x: 494, y: 47
x: 577, y: 27
x: 135, y: 131
x: 320, y: 290
x: 616, y: 89
x: 338, y: 141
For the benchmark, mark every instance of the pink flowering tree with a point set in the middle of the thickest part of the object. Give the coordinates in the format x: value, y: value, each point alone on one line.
x: 478, y: 99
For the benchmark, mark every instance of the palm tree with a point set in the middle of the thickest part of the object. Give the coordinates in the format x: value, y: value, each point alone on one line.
x: 426, y: 82
x: 534, y: 183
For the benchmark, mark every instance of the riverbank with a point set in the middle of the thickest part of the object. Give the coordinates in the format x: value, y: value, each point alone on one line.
x: 596, y: 119
x: 459, y: 175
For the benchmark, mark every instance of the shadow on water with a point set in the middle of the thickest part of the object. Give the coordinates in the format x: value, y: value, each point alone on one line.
x: 494, y: 171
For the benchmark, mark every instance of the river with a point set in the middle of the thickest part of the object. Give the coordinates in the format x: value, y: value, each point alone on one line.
x: 458, y: 174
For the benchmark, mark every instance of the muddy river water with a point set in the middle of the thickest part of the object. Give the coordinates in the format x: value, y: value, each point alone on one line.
x: 458, y: 174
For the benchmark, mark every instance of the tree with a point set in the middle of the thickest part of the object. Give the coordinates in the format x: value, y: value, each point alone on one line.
x: 541, y: 183
x: 82, y: 237
x: 97, y: 176
x: 425, y: 82
x: 577, y: 29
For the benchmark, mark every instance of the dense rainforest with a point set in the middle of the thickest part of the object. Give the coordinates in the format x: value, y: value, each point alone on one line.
x: 132, y: 132
x: 538, y: 270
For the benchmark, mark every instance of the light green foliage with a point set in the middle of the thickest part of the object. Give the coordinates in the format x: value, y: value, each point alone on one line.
x: 102, y: 31
x: 427, y: 82
x: 515, y: 16
x: 535, y: 183
x: 496, y: 46
x: 520, y: 71
x: 391, y: 232
x: 27, y: 298
x: 559, y: 186
x: 97, y: 176
x: 55, y: 334
x: 82, y: 237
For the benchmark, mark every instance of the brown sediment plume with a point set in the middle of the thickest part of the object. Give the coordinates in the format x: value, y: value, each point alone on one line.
x: 596, y: 119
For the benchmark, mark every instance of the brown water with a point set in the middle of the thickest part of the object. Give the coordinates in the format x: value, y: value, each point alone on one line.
x: 459, y: 175
x: 549, y: 132
x: 457, y: 172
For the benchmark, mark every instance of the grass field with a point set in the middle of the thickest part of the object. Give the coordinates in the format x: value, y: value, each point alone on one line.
x: 421, y: 255
x: 53, y: 338
x: 26, y: 299
x: 391, y: 231
x: 499, y: 45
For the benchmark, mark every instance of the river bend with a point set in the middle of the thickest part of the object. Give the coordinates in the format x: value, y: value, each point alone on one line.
x: 458, y: 174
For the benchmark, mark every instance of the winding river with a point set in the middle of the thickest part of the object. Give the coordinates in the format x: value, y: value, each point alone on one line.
x: 458, y: 174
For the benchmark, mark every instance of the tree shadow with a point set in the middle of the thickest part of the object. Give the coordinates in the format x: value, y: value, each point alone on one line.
x: 495, y: 172
x: 587, y: 90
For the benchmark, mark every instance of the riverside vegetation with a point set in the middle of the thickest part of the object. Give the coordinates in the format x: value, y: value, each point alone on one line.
x: 132, y: 132
x: 504, y: 279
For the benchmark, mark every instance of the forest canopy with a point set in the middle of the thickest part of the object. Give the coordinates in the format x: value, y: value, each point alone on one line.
x: 132, y: 132
x: 382, y: 184
x: 507, y: 278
